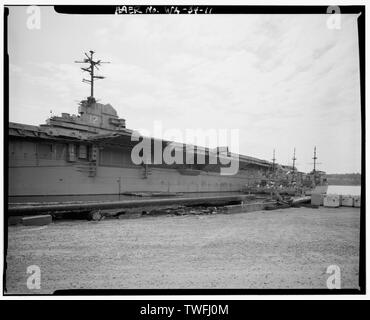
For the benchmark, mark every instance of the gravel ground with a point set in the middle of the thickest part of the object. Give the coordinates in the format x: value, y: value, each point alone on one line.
x: 288, y: 248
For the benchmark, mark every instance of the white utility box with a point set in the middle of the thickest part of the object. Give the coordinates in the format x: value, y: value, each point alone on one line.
x: 332, y: 200
x: 357, y: 201
x: 347, y: 201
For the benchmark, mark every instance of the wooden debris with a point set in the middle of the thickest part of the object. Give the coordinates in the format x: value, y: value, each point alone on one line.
x: 37, y: 220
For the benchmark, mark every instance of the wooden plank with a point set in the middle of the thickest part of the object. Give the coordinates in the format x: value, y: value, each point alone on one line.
x: 75, y: 207
x: 39, y: 220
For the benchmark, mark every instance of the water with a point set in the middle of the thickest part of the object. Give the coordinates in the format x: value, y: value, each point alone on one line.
x: 344, y: 190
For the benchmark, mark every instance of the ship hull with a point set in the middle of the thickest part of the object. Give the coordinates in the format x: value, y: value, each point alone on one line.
x: 66, y: 180
x: 52, y: 161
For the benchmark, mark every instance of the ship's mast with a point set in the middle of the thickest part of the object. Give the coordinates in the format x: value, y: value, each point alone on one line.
x: 273, y: 161
x: 90, y: 69
x: 314, y: 160
x: 315, y: 163
x: 294, y: 159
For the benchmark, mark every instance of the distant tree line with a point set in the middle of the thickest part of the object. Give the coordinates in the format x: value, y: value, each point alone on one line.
x: 344, y: 179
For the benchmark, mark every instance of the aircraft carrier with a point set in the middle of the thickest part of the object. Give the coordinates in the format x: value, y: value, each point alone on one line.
x: 90, y: 154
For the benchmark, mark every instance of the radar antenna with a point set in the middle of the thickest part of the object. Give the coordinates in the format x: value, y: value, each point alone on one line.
x: 90, y: 69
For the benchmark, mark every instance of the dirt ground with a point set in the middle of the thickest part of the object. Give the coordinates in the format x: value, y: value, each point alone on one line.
x: 288, y: 248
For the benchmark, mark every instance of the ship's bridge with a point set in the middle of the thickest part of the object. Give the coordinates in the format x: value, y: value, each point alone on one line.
x: 93, y: 117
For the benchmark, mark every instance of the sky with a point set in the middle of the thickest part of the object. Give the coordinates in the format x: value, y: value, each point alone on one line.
x: 282, y: 81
